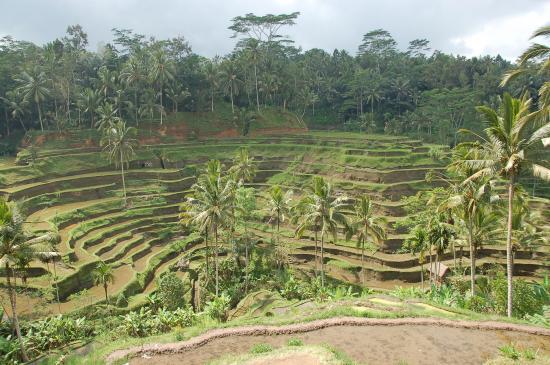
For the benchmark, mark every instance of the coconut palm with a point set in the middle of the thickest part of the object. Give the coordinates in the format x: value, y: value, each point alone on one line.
x: 107, y: 116
x: 162, y: 70
x: 306, y: 217
x: 14, y: 243
x: 33, y: 86
x: 103, y: 275
x: 175, y: 93
x: 330, y: 210
x: 106, y: 80
x: 278, y: 207
x: 244, y: 167
x: 133, y: 75
x: 212, y: 74
x: 536, y: 52
x: 253, y: 53
x: 211, y: 204
x: 509, y: 148
x: 365, y: 225
x: 16, y: 106
x: 119, y: 143
x: 465, y: 198
x: 418, y: 243
x: 230, y: 82
x: 91, y: 100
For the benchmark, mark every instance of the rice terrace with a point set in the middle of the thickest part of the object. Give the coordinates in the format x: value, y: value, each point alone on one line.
x: 281, y: 205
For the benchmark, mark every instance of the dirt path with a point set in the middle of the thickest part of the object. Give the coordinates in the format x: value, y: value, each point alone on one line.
x: 366, y: 340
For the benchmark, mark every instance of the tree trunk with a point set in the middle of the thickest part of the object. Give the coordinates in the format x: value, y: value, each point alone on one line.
x: 316, y: 269
x: 363, y: 263
x: 422, y: 275
x: 257, y: 95
x: 212, y: 99
x: 431, y: 266
x: 207, y: 253
x: 322, y: 260
x: 216, y: 260
x: 472, y: 261
x: 231, y: 92
x: 246, y: 268
x: 509, y: 265
x: 56, y: 286
x: 136, y: 107
x: 123, y: 181
x: 106, y: 296
x: 161, y: 106
x: 40, y: 116
x: 12, y: 296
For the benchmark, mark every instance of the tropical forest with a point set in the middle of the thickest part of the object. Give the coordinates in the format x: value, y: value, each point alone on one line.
x: 275, y: 203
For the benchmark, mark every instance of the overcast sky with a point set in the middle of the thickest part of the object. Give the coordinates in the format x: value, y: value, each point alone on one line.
x: 467, y: 27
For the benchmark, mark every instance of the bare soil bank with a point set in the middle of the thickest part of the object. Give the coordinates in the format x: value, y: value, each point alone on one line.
x: 366, y: 340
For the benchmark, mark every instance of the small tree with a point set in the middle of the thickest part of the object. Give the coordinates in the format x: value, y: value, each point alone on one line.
x: 103, y: 275
x: 119, y: 143
x: 171, y: 291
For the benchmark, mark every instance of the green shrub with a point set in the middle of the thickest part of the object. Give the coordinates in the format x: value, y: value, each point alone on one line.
x: 510, y: 352
x: 171, y: 291
x: 261, y: 348
x: 295, y: 342
x: 217, y: 308
x: 121, y: 301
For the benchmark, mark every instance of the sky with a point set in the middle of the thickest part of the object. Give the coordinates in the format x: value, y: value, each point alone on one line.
x: 466, y: 27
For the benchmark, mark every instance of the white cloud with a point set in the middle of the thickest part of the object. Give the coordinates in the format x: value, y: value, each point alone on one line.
x: 507, y: 36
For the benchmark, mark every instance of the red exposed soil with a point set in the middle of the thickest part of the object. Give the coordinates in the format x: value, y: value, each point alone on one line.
x: 275, y: 131
x: 368, y: 340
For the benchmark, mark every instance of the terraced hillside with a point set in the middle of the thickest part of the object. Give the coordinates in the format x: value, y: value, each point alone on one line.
x: 77, y: 192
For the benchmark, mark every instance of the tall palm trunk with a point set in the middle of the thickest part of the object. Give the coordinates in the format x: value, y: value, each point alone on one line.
x: 422, y: 275
x: 161, y: 106
x: 231, y: 93
x: 12, y: 296
x: 472, y: 260
x: 257, y: 94
x: 56, y: 286
x: 431, y: 266
x: 509, y: 264
x: 216, y: 260
x: 136, y: 107
x: 40, y: 115
x: 122, y: 172
x: 207, y: 251
x: 316, y: 269
x: 105, y: 289
x: 363, y: 263
x: 322, y: 260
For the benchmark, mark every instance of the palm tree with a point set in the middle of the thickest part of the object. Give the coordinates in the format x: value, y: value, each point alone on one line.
x: 512, y: 141
x: 365, y: 225
x: 119, y: 143
x: 161, y: 70
x: 34, y: 87
x: 175, y: 93
x: 228, y: 74
x: 465, y: 198
x: 253, y: 52
x: 212, y: 74
x: 418, y: 243
x: 107, y: 80
x: 306, y: 216
x: 211, y: 204
x: 107, y: 116
x: 91, y: 100
x: 329, y: 208
x: 133, y: 74
x: 15, y: 242
x: 278, y: 207
x: 536, y: 52
x: 16, y: 105
x: 103, y: 275
x: 244, y: 167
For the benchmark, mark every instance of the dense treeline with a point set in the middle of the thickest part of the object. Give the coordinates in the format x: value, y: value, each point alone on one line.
x: 428, y: 93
